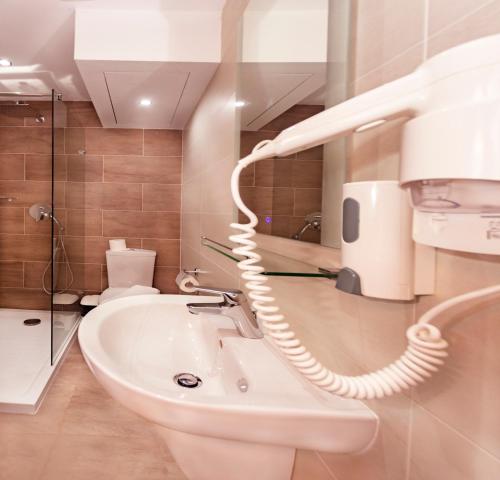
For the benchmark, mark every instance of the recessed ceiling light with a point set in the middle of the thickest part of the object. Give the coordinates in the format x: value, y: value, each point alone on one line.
x: 145, y: 102
x: 240, y: 103
x: 5, y: 62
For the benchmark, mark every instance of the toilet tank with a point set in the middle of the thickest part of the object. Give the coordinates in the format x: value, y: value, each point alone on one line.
x: 130, y: 267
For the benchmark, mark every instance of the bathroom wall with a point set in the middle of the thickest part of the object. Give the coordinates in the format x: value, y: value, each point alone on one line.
x: 283, y: 189
x: 126, y: 185
x: 449, y: 427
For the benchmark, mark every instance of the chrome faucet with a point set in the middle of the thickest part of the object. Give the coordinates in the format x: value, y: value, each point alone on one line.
x: 234, y: 305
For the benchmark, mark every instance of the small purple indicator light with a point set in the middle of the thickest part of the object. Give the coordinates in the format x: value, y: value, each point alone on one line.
x: 268, y: 219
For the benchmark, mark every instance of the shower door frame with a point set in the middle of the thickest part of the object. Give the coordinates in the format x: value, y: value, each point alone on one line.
x: 54, y: 97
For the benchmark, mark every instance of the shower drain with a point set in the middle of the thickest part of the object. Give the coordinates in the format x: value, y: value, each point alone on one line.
x: 188, y: 380
x: 29, y: 322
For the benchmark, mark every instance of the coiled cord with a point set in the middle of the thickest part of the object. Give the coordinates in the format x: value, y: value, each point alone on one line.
x: 426, y: 347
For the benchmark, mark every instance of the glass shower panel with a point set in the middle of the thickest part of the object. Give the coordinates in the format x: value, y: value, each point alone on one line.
x: 64, y: 302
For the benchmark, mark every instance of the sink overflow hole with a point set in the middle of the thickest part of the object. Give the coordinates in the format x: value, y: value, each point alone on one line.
x: 29, y: 322
x: 188, y: 380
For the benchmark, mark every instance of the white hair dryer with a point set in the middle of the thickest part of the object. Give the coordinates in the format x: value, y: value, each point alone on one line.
x: 450, y: 149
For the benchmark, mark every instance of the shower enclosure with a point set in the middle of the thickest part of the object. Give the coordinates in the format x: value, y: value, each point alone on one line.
x: 38, y: 311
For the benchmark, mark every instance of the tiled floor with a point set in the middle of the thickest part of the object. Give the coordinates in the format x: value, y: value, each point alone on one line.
x: 80, y: 433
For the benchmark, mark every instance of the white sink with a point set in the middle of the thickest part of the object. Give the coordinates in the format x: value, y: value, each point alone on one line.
x: 250, y: 413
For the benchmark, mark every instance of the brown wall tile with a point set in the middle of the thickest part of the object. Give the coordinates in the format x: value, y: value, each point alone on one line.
x: 81, y: 114
x: 25, y: 140
x: 39, y: 167
x: 161, y: 198
x: 141, y: 224
x: 11, y: 274
x: 274, y: 173
x: 167, y: 251
x: 17, y: 248
x: 12, y: 116
x: 84, y: 223
x: 43, y: 227
x: 86, y: 276
x: 113, y: 141
x: 163, y: 142
x: 137, y: 169
x: 121, y: 196
x: 11, y: 166
x: 31, y: 299
x: 307, y: 174
x: 84, y: 168
x: 164, y: 279
x: 81, y: 195
x: 129, y: 184
x: 33, y: 272
x: 11, y: 220
x: 29, y: 192
x: 307, y: 200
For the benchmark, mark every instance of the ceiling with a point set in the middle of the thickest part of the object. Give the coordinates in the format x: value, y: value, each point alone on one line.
x: 38, y: 36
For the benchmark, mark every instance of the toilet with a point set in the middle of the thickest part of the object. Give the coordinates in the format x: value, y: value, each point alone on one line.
x: 130, y: 272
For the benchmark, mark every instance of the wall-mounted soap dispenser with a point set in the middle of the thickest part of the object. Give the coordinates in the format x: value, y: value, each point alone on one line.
x: 379, y: 257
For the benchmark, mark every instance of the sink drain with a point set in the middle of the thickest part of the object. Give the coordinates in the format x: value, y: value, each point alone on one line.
x: 32, y: 321
x: 187, y: 380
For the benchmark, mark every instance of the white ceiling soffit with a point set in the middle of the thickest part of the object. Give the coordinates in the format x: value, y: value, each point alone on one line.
x: 269, y: 89
x: 38, y: 36
x: 125, y: 56
x: 281, y: 67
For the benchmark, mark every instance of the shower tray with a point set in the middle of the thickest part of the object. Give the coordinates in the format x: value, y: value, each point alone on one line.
x: 25, y: 367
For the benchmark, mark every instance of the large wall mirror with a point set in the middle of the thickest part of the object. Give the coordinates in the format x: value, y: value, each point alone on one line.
x: 294, y: 64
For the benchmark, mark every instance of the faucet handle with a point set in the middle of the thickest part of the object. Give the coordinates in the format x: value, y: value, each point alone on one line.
x: 232, y: 293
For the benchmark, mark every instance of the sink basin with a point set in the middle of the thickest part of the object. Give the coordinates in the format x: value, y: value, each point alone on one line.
x: 251, y: 410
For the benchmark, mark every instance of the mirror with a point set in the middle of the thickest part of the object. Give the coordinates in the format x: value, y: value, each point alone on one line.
x: 294, y: 64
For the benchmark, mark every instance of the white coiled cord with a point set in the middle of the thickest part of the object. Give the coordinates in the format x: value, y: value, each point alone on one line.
x: 423, y: 356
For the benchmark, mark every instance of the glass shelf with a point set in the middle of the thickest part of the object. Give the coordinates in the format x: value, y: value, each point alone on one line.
x: 227, y: 252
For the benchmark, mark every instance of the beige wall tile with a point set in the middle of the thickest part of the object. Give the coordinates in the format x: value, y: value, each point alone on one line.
x: 440, y: 452
x: 309, y: 465
x: 383, y: 31
x: 478, y: 21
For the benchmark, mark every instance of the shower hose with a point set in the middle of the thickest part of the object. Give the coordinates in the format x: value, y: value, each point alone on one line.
x: 423, y: 356
x: 59, y: 246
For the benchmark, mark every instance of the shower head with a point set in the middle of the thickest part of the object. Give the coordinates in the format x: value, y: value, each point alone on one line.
x: 39, y: 211
x: 39, y: 118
